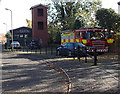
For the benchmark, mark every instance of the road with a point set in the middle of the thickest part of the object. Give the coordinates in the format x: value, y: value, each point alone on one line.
x: 27, y: 73
x: 87, y: 78
x: 30, y: 73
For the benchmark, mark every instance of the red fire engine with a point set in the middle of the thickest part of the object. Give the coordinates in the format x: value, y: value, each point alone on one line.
x: 93, y: 37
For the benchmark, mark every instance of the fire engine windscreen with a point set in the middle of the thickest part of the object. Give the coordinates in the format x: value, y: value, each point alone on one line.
x: 96, y: 35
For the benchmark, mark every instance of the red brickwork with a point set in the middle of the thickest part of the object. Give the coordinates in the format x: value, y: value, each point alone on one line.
x: 38, y: 32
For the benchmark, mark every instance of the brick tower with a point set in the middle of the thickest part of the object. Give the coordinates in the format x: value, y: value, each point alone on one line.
x: 39, y: 24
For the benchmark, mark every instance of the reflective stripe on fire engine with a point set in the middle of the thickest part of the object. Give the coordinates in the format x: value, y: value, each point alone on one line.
x: 67, y: 34
x: 77, y: 40
x: 62, y: 40
x: 84, y: 41
x: 66, y: 40
x: 110, y: 40
x: 71, y: 40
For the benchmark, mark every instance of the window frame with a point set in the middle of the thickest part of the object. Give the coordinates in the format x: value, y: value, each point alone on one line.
x: 40, y: 12
x: 40, y: 25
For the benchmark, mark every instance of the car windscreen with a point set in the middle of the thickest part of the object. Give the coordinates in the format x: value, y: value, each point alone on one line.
x: 97, y: 35
x: 15, y: 42
x: 80, y: 44
x: 68, y: 45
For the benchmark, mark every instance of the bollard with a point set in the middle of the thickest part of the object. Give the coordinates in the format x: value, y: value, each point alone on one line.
x: 40, y: 50
x: 78, y: 58
x: 95, y: 56
x: 85, y: 59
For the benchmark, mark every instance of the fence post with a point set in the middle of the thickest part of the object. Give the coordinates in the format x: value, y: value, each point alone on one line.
x: 23, y: 49
x: 51, y: 49
x: 85, y: 59
x: 36, y: 50
x: 27, y: 50
x: 56, y: 50
x: 85, y: 56
x: 95, y: 56
x: 46, y: 49
x: 40, y: 49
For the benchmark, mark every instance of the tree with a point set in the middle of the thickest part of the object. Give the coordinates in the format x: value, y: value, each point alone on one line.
x: 108, y: 18
x: 88, y: 10
x: 116, y: 26
x: 29, y: 23
x: 66, y: 14
x: 54, y: 34
x: 8, y: 36
x: 71, y: 15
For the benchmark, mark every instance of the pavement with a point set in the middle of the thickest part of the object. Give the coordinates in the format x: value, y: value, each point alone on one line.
x: 30, y: 73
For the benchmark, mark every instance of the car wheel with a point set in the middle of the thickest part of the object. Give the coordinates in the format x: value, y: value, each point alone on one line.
x: 69, y: 53
x: 58, y: 53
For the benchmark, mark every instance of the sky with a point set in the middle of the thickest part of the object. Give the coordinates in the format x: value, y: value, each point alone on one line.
x: 21, y: 11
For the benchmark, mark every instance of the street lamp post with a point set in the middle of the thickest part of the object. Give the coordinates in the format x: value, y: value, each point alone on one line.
x: 11, y: 25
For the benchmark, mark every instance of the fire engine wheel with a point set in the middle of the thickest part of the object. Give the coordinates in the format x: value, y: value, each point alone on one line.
x: 69, y: 53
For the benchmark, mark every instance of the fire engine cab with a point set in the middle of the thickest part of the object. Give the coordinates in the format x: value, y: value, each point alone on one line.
x: 98, y: 38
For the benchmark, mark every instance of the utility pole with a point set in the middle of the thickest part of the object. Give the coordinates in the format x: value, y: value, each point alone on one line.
x: 11, y: 25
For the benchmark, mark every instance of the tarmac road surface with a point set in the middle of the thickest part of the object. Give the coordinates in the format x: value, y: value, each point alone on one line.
x: 24, y: 73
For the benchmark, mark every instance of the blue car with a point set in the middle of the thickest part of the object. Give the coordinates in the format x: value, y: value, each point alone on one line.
x: 72, y: 49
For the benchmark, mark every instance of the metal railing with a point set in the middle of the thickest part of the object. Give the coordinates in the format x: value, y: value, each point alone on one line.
x: 52, y: 50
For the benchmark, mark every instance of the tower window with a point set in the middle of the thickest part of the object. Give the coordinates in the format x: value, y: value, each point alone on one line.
x: 40, y: 12
x: 40, y: 26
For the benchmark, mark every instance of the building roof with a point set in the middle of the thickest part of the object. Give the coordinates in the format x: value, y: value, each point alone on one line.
x: 23, y: 28
x: 38, y: 6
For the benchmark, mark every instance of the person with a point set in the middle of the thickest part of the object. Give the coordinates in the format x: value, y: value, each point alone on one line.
x: 97, y: 35
x: 5, y: 45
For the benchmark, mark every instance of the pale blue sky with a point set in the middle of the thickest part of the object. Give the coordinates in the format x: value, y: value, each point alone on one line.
x: 21, y: 11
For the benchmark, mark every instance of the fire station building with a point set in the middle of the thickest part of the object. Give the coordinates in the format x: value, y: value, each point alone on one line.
x: 39, y: 24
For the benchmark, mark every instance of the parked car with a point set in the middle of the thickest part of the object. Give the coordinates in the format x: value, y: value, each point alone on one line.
x: 15, y: 45
x: 34, y: 45
x: 72, y: 50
